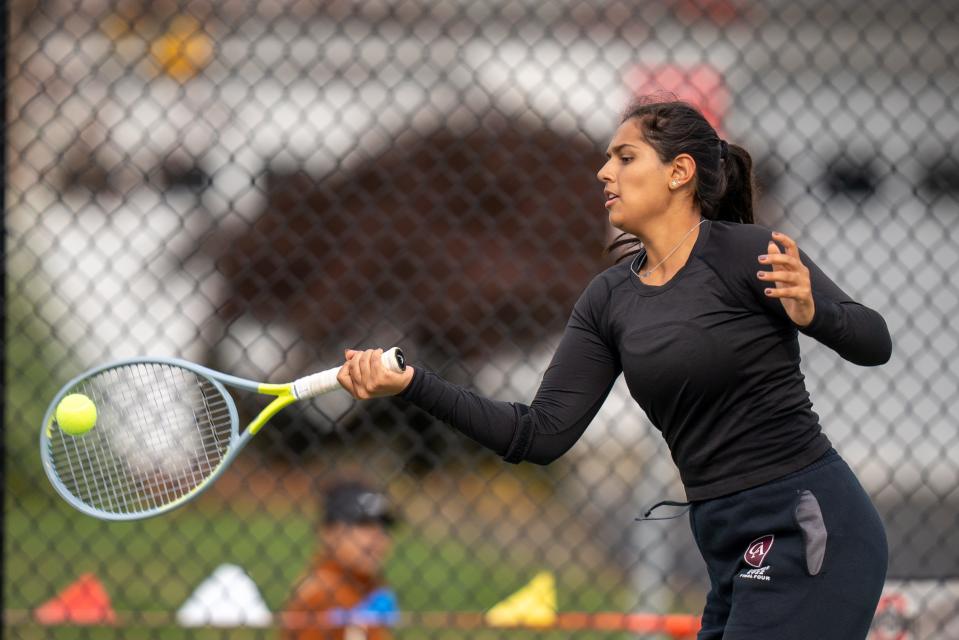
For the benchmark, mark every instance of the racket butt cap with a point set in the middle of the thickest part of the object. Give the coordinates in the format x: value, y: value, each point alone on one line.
x: 394, y: 360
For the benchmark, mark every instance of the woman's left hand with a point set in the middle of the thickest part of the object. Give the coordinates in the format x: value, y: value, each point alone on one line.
x: 791, y: 279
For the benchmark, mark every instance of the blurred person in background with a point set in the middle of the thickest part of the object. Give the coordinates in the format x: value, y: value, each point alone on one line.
x: 343, y: 588
x: 703, y: 321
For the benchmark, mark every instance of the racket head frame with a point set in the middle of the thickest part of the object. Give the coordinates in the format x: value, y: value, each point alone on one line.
x: 215, y: 378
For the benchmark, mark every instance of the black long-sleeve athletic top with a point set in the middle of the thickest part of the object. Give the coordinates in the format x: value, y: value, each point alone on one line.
x: 712, y: 360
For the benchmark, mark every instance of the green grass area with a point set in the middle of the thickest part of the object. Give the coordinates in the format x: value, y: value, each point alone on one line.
x: 153, y: 565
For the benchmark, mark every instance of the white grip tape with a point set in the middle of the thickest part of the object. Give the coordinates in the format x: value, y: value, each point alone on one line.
x: 316, y: 384
x: 325, y: 381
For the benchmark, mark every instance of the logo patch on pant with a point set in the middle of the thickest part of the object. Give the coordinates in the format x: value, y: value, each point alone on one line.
x: 757, y: 550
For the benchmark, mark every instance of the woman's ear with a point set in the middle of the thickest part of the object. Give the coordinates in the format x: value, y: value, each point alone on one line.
x: 681, y: 171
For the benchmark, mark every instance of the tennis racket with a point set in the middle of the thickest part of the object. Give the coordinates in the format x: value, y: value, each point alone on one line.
x: 165, y: 430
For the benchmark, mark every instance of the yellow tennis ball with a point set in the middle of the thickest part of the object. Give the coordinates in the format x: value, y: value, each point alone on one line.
x: 76, y: 414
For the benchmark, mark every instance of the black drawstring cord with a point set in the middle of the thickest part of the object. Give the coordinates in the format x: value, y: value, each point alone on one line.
x: 665, y: 503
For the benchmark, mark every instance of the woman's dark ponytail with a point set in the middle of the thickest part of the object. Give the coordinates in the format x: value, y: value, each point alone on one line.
x: 736, y: 202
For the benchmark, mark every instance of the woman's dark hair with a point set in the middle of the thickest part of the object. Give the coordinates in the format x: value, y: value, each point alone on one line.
x: 724, y: 180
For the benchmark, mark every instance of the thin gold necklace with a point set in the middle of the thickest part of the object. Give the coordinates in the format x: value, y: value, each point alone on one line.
x: 645, y: 274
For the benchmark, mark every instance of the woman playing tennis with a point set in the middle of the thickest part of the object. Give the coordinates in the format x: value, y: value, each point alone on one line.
x: 703, y: 321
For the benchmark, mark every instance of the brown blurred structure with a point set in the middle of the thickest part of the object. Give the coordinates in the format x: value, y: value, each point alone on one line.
x: 441, y: 227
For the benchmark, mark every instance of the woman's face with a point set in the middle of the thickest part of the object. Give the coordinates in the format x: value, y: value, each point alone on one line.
x: 636, y: 181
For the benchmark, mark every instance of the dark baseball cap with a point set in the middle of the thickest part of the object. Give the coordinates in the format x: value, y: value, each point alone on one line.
x: 354, y: 502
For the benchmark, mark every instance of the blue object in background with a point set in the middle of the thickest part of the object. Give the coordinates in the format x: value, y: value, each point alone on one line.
x: 380, y: 608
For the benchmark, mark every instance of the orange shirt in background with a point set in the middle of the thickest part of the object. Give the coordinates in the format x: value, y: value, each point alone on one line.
x: 329, y: 586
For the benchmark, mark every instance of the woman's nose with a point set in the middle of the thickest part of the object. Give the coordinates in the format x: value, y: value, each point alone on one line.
x: 603, y: 174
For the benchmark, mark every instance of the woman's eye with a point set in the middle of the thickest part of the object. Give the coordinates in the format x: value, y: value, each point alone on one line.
x: 625, y: 159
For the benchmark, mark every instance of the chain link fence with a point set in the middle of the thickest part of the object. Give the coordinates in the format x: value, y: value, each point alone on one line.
x: 255, y: 186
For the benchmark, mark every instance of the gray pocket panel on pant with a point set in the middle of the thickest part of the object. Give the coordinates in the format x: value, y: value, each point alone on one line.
x: 810, y: 521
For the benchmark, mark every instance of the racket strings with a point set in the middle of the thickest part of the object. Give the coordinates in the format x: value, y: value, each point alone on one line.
x: 162, y: 430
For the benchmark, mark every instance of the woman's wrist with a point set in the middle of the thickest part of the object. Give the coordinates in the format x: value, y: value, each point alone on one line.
x: 408, y: 376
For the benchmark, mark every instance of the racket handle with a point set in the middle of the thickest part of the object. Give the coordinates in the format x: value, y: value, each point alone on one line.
x: 325, y: 381
x: 316, y: 384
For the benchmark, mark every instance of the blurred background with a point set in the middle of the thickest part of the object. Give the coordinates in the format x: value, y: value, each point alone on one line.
x: 257, y: 185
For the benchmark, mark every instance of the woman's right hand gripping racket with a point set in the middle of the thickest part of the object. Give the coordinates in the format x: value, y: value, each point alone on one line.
x: 159, y: 431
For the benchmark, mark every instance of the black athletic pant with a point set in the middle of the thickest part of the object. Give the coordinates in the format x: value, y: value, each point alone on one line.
x: 800, y: 558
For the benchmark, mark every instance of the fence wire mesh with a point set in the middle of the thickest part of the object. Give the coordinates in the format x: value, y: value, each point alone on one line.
x: 255, y: 186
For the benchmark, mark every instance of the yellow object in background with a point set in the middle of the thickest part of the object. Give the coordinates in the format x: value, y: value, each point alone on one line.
x: 184, y: 50
x: 532, y: 606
